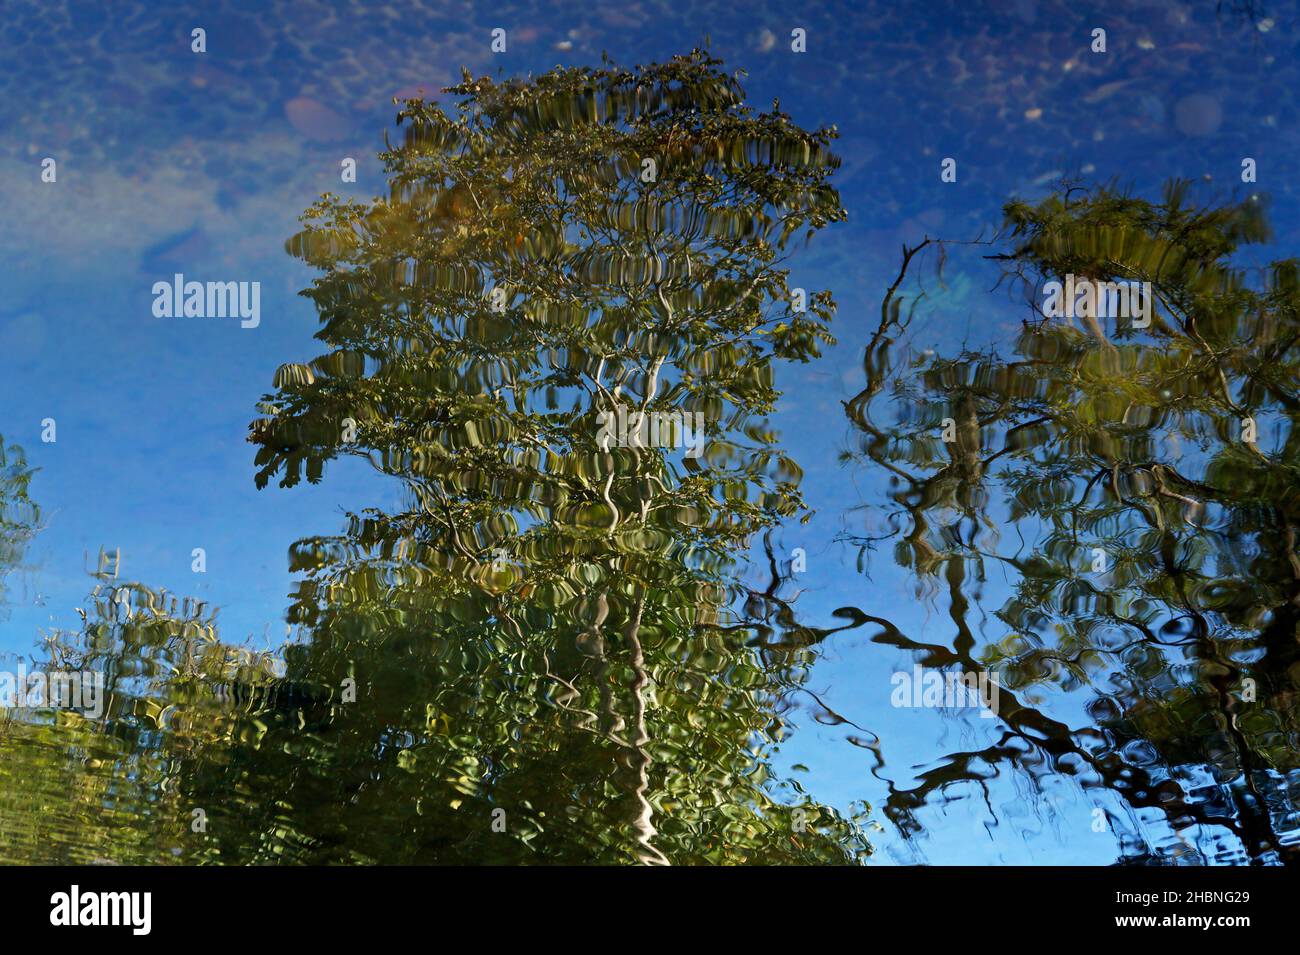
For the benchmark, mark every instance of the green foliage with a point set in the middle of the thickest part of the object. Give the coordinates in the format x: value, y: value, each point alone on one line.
x: 539, y: 658
x: 78, y: 787
x: 1133, y: 441
x: 19, y: 515
x: 544, y: 630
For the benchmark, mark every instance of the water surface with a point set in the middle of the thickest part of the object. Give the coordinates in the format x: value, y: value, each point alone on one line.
x: 468, y: 642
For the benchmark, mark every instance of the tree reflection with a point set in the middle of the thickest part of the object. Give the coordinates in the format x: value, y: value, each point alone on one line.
x: 19, y: 515
x: 1139, y: 489
x: 542, y: 637
x: 540, y: 656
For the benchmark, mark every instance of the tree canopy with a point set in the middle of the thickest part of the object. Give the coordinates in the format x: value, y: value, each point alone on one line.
x: 544, y: 655
x: 1139, y: 485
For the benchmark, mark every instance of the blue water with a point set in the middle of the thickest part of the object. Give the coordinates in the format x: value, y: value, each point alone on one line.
x: 169, y: 161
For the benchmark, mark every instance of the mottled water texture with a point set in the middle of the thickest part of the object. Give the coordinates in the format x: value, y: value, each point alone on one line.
x: 565, y: 509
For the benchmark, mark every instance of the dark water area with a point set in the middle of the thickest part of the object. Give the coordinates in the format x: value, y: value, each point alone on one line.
x: 623, y: 434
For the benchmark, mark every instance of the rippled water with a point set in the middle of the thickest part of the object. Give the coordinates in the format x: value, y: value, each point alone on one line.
x: 674, y: 476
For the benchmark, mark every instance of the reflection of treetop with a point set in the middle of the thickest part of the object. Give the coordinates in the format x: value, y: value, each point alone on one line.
x: 539, y: 637
x: 551, y: 250
x: 19, y: 516
x: 1145, y: 482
